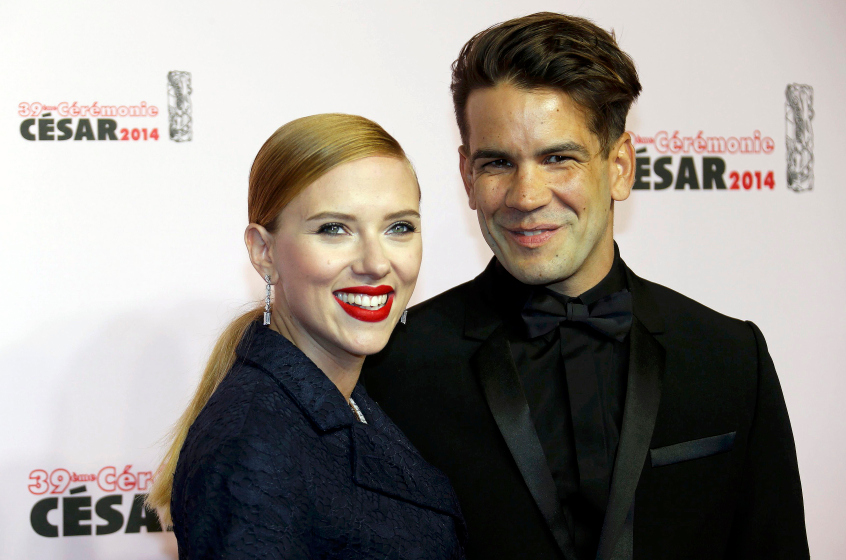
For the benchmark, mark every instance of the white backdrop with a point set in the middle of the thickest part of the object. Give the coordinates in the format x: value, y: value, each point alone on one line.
x: 120, y: 261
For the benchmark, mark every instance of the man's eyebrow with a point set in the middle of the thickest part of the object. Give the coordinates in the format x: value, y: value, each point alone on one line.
x: 564, y: 147
x: 489, y: 154
x: 554, y: 149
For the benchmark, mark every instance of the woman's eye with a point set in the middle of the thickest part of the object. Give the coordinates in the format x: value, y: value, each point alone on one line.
x: 401, y: 227
x: 331, y: 229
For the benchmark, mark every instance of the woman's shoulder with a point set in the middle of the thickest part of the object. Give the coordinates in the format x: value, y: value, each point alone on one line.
x: 240, y: 467
x: 247, y: 410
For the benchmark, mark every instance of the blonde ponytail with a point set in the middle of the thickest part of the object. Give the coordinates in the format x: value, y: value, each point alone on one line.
x: 220, y: 362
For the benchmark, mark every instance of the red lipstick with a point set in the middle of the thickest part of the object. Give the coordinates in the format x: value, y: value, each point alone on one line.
x: 368, y: 290
x: 368, y: 315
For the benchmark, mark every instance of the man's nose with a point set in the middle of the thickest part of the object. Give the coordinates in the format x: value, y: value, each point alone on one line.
x: 528, y: 190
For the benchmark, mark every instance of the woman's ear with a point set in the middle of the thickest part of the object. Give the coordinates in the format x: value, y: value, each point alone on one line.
x: 260, y: 248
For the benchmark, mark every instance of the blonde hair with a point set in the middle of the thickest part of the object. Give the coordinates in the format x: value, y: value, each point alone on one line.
x: 294, y: 156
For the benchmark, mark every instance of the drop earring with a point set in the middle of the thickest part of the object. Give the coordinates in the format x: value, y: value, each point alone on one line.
x: 267, y: 300
x: 404, y: 316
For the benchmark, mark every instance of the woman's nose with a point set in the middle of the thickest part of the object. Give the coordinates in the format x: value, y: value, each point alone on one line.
x: 372, y: 261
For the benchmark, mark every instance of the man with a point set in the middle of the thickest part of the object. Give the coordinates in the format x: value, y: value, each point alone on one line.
x: 580, y: 411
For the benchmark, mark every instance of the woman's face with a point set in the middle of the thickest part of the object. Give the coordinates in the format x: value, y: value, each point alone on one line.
x: 347, y: 253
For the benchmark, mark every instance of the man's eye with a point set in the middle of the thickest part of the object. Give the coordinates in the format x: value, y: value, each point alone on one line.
x: 331, y: 229
x: 557, y: 159
x: 401, y: 227
x: 497, y: 164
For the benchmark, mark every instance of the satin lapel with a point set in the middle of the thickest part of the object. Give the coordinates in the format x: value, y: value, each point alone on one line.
x: 643, y: 394
x: 504, y: 394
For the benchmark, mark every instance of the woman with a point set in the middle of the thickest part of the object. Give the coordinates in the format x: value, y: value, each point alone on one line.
x: 282, y: 454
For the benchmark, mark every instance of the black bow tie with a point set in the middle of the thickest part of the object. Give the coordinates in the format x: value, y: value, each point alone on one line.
x: 611, y: 315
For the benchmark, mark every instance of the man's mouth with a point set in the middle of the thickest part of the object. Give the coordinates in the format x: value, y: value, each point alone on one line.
x: 534, y: 236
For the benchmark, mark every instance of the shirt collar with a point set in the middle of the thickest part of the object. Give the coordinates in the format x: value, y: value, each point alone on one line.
x: 614, y: 281
x: 510, y: 294
x: 489, y: 304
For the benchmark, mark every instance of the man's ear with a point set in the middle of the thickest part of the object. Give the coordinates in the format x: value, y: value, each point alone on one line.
x: 260, y: 248
x: 622, y: 169
x: 466, y: 176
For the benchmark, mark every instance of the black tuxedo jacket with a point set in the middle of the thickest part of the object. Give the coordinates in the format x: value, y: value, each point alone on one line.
x: 706, y: 465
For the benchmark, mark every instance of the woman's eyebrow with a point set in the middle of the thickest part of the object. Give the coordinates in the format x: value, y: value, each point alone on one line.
x: 410, y: 213
x: 331, y: 216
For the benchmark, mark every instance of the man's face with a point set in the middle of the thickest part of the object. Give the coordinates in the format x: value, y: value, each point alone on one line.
x: 541, y: 187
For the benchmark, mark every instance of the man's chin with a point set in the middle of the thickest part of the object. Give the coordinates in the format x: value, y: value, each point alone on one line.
x: 534, y: 272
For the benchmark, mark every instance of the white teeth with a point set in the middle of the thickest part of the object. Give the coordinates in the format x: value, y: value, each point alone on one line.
x: 530, y: 233
x: 368, y: 302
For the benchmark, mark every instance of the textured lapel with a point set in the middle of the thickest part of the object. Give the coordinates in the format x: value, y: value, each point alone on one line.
x: 313, y: 392
x: 386, y: 462
x: 643, y: 395
x: 495, y: 368
x: 383, y: 459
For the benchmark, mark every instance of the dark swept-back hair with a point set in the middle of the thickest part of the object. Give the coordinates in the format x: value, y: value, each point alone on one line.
x: 548, y: 50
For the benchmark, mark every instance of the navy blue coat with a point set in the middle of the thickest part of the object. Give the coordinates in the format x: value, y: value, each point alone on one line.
x: 277, y: 466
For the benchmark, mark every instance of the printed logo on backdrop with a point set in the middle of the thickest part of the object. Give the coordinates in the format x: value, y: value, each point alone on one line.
x: 799, y: 137
x: 91, y: 504
x: 702, y: 161
x: 179, y: 105
x: 79, y: 121
x: 84, y: 121
x: 673, y: 159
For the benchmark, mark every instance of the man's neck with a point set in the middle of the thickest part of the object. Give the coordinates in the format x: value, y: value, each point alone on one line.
x: 597, y: 265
